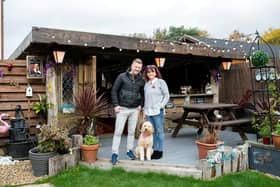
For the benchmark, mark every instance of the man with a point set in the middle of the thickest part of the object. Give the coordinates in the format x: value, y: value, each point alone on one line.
x: 128, y: 99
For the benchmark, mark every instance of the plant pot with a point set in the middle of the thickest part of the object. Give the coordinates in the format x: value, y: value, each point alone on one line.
x: 203, y: 148
x: 266, y: 140
x: 89, y: 152
x: 40, y: 161
x: 276, y: 140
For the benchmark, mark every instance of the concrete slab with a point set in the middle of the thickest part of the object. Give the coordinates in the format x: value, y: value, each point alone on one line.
x: 181, y: 150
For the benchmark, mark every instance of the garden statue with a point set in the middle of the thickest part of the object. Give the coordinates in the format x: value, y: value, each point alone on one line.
x: 5, y: 127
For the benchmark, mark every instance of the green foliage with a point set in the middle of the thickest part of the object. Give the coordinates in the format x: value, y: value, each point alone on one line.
x: 84, y: 176
x: 176, y: 33
x: 263, y: 125
x: 265, y: 131
x: 272, y: 36
x: 277, y: 129
x: 42, y: 105
x: 260, y: 58
x: 90, y: 140
x: 52, y: 138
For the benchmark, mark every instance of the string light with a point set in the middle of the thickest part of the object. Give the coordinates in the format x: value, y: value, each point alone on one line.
x: 120, y: 49
x: 85, y: 44
x: 138, y: 50
x: 69, y: 41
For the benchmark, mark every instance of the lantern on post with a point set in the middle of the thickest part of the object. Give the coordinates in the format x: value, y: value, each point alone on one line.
x: 58, y: 56
x: 160, y: 62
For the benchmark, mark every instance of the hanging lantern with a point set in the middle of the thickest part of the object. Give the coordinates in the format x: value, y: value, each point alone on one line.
x: 226, y: 65
x: 58, y: 56
x: 160, y: 61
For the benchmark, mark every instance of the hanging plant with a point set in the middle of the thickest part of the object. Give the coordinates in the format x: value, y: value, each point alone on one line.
x: 260, y: 58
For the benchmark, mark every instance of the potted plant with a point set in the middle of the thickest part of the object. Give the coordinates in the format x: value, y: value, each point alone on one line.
x: 209, y: 141
x: 89, y: 148
x: 51, y: 140
x: 276, y: 136
x: 263, y: 126
x: 89, y: 108
x: 260, y: 58
x: 41, y: 107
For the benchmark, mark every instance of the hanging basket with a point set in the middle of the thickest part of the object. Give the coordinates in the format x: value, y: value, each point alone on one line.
x: 260, y: 58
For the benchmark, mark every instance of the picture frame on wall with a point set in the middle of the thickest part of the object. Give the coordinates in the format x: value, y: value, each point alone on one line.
x: 34, y: 65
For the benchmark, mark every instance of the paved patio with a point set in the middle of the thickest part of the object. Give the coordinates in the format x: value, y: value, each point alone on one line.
x: 181, y: 150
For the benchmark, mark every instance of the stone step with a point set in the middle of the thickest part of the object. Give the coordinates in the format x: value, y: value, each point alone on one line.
x: 148, y: 166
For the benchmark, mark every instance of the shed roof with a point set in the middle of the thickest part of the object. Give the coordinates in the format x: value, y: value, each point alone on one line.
x: 43, y: 40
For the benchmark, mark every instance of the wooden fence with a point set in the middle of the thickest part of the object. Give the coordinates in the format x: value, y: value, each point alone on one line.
x: 13, y: 84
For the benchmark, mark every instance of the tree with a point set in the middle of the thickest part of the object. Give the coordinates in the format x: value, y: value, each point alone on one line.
x: 272, y: 36
x: 138, y: 35
x: 176, y: 33
x: 239, y: 36
x: 160, y: 34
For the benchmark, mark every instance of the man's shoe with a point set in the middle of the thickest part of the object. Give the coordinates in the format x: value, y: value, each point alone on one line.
x: 130, y: 155
x: 114, y: 158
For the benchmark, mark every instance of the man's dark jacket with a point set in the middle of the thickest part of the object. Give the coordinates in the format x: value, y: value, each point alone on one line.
x: 128, y: 91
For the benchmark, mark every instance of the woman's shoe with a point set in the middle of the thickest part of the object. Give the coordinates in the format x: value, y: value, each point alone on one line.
x: 160, y: 153
x: 154, y: 155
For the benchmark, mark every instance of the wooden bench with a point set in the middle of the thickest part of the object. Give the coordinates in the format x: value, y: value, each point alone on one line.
x: 232, y: 115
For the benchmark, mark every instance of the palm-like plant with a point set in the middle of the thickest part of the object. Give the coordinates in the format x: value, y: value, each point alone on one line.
x: 89, y: 107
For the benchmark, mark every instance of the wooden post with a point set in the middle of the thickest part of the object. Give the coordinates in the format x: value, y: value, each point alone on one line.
x: 235, y: 160
x: 206, y: 169
x: 77, y: 140
x: 227, y: 159
x: 2, y: 29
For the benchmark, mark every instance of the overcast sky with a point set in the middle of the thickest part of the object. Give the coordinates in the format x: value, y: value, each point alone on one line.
x: 218, y: 17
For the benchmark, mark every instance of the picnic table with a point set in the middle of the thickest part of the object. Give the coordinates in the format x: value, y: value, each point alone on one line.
x: 208, y: 119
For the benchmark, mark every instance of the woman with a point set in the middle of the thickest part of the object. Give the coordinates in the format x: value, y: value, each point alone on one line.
x: 156, y: 97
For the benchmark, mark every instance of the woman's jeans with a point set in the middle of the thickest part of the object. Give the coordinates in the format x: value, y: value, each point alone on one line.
x: 130, y: 114
x: 157, y: 121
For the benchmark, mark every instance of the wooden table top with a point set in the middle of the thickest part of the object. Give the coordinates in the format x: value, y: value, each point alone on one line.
x: 207, y: 106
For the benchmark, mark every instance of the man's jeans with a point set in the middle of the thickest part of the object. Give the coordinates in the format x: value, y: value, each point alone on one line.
x: 132, y: 115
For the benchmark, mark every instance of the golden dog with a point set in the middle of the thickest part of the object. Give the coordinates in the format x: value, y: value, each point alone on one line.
x: 145, y: 142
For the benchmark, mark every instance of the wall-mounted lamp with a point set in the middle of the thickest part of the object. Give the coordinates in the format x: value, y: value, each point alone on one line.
x: 226, y: 65
x: 160, y: 61
x: 58, y: 56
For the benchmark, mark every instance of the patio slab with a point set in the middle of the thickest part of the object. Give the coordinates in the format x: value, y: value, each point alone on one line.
x: 180, y: 150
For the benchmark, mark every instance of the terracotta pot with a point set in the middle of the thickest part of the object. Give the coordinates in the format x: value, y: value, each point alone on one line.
x: 89, y: 152
x: 203, y: 148
x: 266, y: 140
x: 276, y: 140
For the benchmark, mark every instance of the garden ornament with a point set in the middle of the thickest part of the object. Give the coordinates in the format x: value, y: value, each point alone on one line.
x: 5, y: 127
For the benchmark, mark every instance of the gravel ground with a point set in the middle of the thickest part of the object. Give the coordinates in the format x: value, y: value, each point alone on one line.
x: 19, y: 173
